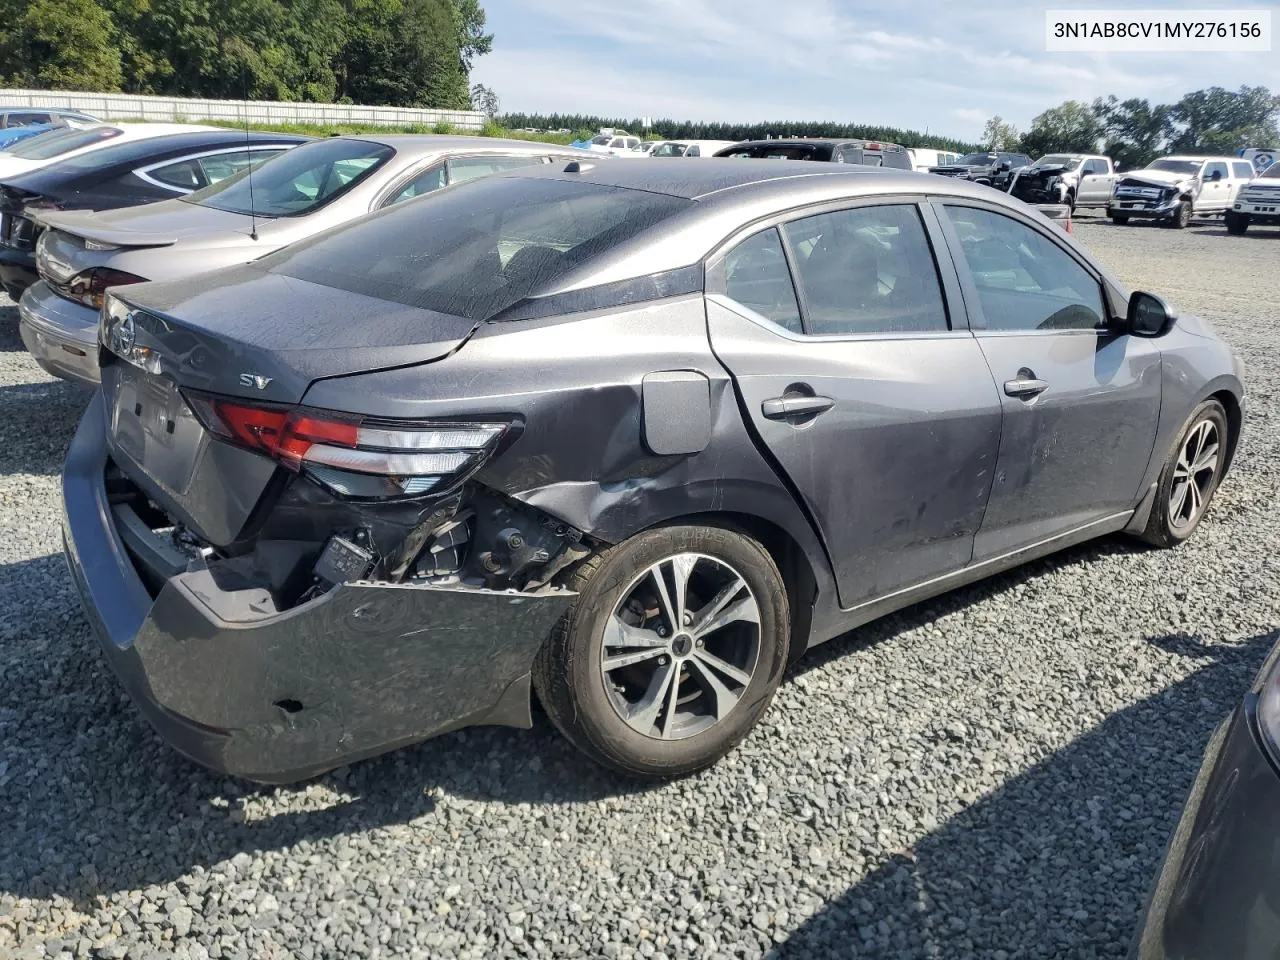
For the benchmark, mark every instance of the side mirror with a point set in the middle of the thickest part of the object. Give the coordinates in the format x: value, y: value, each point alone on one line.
x: 1005, y: 166
x: 1149, y: 316
x: 1216, y: 175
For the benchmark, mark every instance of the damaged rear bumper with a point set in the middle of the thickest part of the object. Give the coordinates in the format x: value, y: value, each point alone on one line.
x: 278, y: 697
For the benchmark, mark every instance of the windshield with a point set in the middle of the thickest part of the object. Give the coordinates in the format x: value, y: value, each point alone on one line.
x: 489, y: 244
x: 1271, y: 173
x: 1065, y: 161
x: 669, y: 149
x: 57, y: 142
x: 603, y: 139
x: 1175, y: 166
x: 977, y: 159
x: 298, y: 181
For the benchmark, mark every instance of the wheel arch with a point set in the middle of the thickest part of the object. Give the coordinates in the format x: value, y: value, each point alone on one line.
x: 1235, y: 422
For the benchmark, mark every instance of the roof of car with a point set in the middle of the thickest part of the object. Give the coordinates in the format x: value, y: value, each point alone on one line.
x: 464, y: 144
x: 1199, y: 158
x: 717, y: 174
x: 807, y: 142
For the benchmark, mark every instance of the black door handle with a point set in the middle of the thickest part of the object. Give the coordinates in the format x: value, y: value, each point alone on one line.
x: 1025, y: 388
x: 795, y: 407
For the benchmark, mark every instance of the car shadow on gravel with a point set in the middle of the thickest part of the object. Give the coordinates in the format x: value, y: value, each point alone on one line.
x: 1047, y: 865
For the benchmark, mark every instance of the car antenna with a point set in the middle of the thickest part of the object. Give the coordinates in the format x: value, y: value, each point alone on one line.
x: 244, y: 115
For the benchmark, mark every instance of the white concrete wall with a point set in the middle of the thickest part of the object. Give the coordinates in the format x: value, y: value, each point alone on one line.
x: 127, y: 106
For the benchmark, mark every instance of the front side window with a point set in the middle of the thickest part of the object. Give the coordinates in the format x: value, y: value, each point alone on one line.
x: 469, y: 168
x: 668, y: 149
x: 867, y: 270
x: 694, y: 151
x: 299, y: 180
x: 1025, y: 281
x: 757, y: 276
x: 1217, y: 170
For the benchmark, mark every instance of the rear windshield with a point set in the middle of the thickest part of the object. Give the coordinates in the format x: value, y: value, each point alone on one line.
x: 57, y: 142
x: 299, y: 180
x: 476, y: 249
x: 791, y: 151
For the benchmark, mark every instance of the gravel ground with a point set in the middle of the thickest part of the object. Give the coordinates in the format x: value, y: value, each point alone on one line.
x: 992, y: 774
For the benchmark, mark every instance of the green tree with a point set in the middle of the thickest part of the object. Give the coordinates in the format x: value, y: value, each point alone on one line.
x: 1220, y: 120
x: 485, y: 100
x: 59, y: 45
x: 998, y: 135
x: 1069, y: 128
x: 1134, y: 130
x: 469, y: 21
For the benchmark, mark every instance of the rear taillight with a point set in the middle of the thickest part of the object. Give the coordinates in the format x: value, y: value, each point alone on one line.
x: 89, y: 286
x: 351, y: 455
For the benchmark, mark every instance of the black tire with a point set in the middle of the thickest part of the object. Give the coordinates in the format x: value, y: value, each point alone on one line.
x: 1237, y: 223
x: 568, y: 675
x: 1119, y: 219
x: 1181, y: 216
x: 1071, y: 201
x: 1161, y: 531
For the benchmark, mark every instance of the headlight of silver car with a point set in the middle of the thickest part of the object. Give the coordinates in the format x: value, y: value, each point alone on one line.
x: 1268, y: 710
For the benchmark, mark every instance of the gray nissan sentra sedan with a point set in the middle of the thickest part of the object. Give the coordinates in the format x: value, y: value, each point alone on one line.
x: 629, y: 436
x: 82, y: 253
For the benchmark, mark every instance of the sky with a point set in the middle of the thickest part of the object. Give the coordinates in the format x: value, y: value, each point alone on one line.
x: 914, y: 64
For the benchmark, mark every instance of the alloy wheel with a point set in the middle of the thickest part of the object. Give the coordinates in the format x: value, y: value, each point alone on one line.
x: 1194, y: 474
x: 681, y: 646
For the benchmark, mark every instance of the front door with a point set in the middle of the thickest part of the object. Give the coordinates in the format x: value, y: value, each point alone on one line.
x: 1215, y: 195
x: 883, y: 418
x: 1081, y: 403
x: 1095, y: 184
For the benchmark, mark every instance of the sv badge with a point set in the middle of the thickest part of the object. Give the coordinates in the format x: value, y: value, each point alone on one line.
x: 254, y: 380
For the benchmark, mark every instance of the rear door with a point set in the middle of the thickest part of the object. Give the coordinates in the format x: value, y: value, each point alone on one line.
x: 1081, y: 403
x: 864, y: 385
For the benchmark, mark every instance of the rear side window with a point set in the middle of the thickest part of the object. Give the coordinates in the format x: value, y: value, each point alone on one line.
x: 184, y: 175
x: 220, y: 166
x: 1025, y: 281
x: 867, y: 270
x: 22, y: 119
x: 474, y: 252
x: 757, y: 276
x: 1243, y: 169
x: 299, y: 180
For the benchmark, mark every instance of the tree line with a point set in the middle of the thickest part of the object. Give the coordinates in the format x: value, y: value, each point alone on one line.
x: 403, y: 53
x: 669, y: 129
x: 1134, y: 131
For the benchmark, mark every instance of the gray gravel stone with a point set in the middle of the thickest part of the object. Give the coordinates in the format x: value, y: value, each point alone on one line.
x: 992, y: 774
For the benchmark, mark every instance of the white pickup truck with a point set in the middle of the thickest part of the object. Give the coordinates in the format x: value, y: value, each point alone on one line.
x: 1073, y: 179
x: 1174, y: 189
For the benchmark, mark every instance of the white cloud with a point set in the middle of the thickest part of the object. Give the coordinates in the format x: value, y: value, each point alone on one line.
x: 915, y: 65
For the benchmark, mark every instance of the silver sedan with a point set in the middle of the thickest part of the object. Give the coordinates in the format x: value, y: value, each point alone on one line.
x: 287, y: 199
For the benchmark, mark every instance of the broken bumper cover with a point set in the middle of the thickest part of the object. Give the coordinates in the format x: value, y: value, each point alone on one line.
x: 280, y: 697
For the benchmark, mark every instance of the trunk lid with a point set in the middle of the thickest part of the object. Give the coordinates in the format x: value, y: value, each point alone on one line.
x: 248, y: 333
x: 150, y: 225
x: 244, y: 331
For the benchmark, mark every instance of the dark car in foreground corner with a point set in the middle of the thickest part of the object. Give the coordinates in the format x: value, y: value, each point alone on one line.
x: 995, y: 168
x: 1217, y: 895
x: 870, y: 153
x: 121, y: 175
x: 632, y: 435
